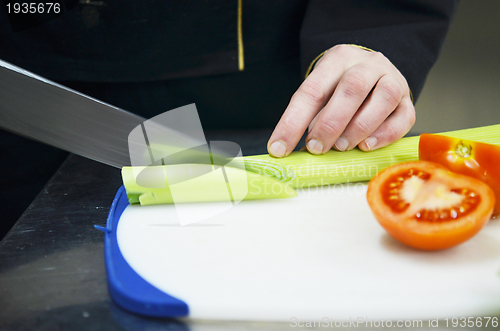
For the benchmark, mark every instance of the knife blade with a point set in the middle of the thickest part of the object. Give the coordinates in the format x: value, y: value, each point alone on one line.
x: 42, y: 110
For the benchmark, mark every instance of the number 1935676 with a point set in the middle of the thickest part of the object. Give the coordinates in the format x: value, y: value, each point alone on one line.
x: 33, y: 8
x: 472, y: 321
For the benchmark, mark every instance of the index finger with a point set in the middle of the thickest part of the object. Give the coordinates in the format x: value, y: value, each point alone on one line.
x: 305, y: 103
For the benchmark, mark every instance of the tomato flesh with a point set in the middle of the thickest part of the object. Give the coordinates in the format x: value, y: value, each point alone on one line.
x: 425, y: 206
x: 391, y: 195
x: 470, y: 158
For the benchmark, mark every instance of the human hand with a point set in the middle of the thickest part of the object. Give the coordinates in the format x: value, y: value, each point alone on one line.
x: 353, y: 97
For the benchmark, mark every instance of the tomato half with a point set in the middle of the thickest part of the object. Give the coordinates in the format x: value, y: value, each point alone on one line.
x: 475, y: 159
x: 425, y: 206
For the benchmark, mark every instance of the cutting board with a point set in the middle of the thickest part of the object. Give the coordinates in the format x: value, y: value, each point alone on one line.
x: 319, y: 255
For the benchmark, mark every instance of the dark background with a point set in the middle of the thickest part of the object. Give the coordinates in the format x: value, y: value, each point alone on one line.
x: 463, y: 88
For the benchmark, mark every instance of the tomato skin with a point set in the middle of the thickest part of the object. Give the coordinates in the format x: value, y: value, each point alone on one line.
x: 483, y: 162
x: 404, y: 226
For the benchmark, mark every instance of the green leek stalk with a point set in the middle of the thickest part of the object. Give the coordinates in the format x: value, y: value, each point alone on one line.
x: 302, y: 169
x: 209, y: 187
x: 269, y: 177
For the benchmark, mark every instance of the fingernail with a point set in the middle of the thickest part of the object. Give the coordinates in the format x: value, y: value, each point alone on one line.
x: 371, y: 142
x: 341, y: 144
x: 277, y: 149
x: 314, y: 146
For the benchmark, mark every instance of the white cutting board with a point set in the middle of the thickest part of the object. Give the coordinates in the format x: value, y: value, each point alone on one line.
x: 320, y: 255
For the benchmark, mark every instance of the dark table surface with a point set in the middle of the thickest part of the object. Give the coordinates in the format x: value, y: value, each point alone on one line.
x: 52, y: 274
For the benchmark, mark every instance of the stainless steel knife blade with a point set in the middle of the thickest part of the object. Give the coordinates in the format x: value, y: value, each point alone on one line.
x: 40, y: 109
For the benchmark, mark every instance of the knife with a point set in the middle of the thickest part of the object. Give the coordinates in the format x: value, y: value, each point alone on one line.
x: 42, y: 110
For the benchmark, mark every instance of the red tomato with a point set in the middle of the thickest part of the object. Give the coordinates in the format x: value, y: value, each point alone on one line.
x: 425, y: 206
x: 475, y: 159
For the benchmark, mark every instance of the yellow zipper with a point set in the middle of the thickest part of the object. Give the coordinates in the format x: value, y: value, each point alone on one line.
x: 241, y: 59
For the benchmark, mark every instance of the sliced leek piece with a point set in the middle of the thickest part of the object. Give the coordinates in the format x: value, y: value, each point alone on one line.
x: 203, y: 187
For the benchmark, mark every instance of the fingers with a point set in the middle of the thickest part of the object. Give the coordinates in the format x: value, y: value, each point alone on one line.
x: 352, y: 98
x: 383, y: 100
x: 394, y: 127
x: 350, y: 93
x: 307, y: 101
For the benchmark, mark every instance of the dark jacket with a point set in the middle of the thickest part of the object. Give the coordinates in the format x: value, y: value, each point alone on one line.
x: 133, y: 41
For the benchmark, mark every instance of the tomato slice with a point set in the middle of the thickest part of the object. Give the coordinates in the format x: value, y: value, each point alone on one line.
x: 475, y: 159
x: 425, y: 206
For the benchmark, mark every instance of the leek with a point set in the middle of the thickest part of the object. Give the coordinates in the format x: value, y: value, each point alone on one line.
x: 269, y: 177
x: 211, y: 186
x: 355, y: 165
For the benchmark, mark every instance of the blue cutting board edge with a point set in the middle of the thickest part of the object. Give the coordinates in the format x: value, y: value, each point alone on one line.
x: 126, y: 288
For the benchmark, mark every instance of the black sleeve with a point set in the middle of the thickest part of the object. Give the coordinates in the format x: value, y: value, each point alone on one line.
x: 410, y: 33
